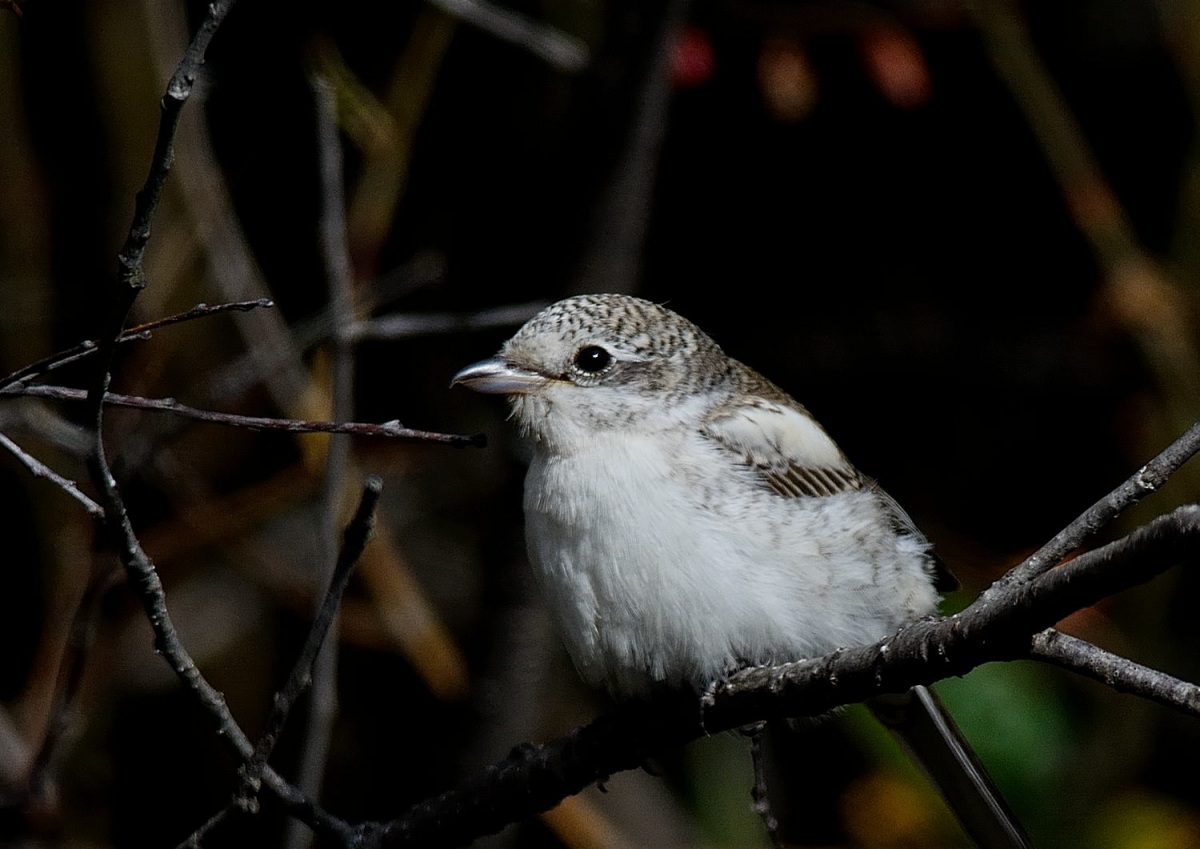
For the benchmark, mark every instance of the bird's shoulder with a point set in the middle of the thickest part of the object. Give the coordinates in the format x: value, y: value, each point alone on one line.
x: 791, y: 454
x: 777, y: 438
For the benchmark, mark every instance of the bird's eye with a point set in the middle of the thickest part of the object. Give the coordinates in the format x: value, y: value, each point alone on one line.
x: 592, y: 360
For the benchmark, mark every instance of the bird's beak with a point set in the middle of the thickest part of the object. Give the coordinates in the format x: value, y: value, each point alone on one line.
x: 497, y: 377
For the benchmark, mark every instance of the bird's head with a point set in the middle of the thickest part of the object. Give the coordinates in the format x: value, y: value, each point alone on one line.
x: 596, y: 362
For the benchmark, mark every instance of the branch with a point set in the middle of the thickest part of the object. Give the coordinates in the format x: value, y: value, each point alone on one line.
x: 1143, y: 482
x: 144, y: 580
x: 391, y: 429
x: 930, y: 650
x: 339, y: 276
x: 40, y: 470
x: 536, y: 777
x: 143, y: 577
x: 564, y: 52
x: 80, y: 638
x: 179, y: 89
x: 1119, y: 673
x: 141, y: 332
x: 409, y: 325
x: 354, y: 541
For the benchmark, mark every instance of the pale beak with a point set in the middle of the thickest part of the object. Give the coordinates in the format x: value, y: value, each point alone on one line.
x: 497, y: 377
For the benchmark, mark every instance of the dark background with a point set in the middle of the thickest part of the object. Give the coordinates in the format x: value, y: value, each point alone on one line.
x: 850, y: 197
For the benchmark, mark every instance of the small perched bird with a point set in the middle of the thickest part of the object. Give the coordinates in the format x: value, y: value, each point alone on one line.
x: 686, y: 517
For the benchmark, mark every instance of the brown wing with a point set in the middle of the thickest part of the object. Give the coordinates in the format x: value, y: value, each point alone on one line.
x: 784, y: 445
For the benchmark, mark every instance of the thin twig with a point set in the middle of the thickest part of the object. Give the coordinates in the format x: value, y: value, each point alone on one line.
x: 143, y: 577
x: 40, y: 470
x: 339, y: 276
x: 614, y: 255
x: 1112, y: 670
x: 565, y: 52
x: 758, y: 792
x: 79, y: 641
x: 355, y: 539
x: 179, y: 89
x: 139, y: 333
x: 391, y: 429
x: 409, y: 325
x: 1143, y: 482
x: 196, y: 839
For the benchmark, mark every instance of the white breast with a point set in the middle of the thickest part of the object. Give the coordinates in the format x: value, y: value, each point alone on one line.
x: 658, y: 568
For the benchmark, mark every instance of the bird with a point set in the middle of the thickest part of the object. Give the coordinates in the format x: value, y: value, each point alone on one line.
x: 685, y: 517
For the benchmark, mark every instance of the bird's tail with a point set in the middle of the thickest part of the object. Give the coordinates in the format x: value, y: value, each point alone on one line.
x: 928, y: 733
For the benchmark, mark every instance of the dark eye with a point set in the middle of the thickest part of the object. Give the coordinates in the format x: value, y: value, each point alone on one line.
x: 593, y: 359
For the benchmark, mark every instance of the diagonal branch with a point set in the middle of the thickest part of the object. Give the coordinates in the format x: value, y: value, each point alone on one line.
x: 562, y: 51
x: 142, y: 331
x: 1143, y: 482
x: 1112, y: 670
x: 354, y: 541
x: 144, y: 579
x: 40, y: 470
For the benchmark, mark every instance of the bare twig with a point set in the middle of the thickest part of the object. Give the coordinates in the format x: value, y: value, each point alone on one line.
x: 1112, y: 670
x: 358, y: 532
x: 196, y: 839
x: 82, y: 634
x: 143, y: 577
x: 179, y: 89
x: 141, y: 332
x: 1143, y: 482
x: 40, y: 470
x: 232, y: 270
x: 758, y: 792
x: 355, y: 539
x: 391, y: 429
x: 408, y: 325
x: 613, y: 257
x: 565, y: 52
x: 340, y: 281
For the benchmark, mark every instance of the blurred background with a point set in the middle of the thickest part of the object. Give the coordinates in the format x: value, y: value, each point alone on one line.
x: 963, y: 234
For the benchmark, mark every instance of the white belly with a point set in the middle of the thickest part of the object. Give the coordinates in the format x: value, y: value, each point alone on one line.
x: 659, y: 573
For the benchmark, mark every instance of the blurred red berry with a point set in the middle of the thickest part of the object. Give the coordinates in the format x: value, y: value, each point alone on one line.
x: 692, y: 61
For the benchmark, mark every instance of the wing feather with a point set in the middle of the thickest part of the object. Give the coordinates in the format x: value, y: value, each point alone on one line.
x: 784, y: 445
